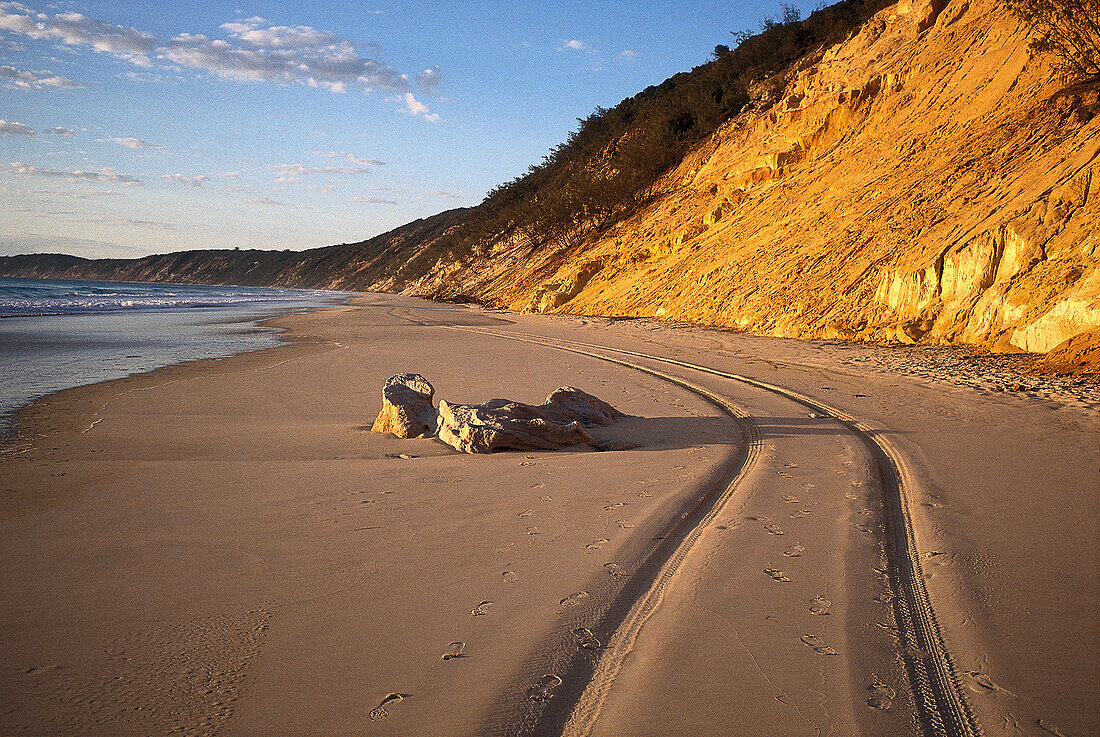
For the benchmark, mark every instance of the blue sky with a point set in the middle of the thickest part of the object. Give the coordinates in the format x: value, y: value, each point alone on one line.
x: 129, y: 128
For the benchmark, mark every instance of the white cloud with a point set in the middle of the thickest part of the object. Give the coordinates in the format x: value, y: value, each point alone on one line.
x: 322, y: 188
x: 374, y: 200
x: 26, y: 79
x: 227, y: 174
x: 75, y: 29
x: 282, y: 54
x: 148, y: 77
x: 417, y: 108
x: 94, y: 194
x: 15, y: 129
x: 575, y: 45
x: 288, y: 173
x: 357, y: 160
x: 103, y: 174
x: 430, y: 79
x: 268, y: 202
x: 59, y: 131
x: 628, y: 54
x: 191, y: 181
x: 134, y: 143
x: 443, y: 195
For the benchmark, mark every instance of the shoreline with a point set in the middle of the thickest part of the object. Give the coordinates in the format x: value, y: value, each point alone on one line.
x: 249, y: 319
x: 246, y: 496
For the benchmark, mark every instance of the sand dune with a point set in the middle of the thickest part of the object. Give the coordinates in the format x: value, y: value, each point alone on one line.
x: 802, y: 543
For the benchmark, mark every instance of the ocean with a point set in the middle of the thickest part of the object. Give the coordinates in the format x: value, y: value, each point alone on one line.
x: 57, y: 334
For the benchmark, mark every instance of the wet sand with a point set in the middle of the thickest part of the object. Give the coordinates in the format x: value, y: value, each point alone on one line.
x: 223, y: 548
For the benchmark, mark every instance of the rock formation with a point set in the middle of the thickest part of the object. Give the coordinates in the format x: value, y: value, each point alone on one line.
x: 558, y: 422
x: 407, y: 410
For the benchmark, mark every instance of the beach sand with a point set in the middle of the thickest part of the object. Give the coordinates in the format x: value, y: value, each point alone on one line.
x: 223, y: 547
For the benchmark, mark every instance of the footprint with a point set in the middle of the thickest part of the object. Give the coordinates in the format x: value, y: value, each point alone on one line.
x: 509, y: 576
x: 584, y: 637
x: 643, y: 494
x: 790, y: 499
x: 624, y: 524
x: 818, y: 645
x: 865, y: 528
x: 542, y: 690
x: 595, y: 544
x: 790, y: 465
x: 524, y: 464
x: 573, y: 599
x: 820, y: 605
x: 454, y: 650
x: 611, y: 507
x: 794, y: 551
x: 526, y: 513
x: 481, y: 609
x: 776, y: 575
x: 773, y: 529
x: 880, y: 696
x: 615, y: 569
x: 784, y: 474
x: 982, y: 680
x: 800, y: 513
x: 545, y: 498
x: 379, y: 712
x: 532, y: 530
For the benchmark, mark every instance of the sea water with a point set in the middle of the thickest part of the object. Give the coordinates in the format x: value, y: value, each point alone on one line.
x: 57, y: 334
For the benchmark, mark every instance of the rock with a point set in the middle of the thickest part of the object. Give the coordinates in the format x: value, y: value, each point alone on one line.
x: 567, y: 404
x: 502, y: 424
x: 407, y: 410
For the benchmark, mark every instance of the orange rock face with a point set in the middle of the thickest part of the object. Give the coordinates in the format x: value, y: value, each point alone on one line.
x: 928, y: 180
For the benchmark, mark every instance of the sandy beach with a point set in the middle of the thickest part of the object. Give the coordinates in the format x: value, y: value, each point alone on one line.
x: 800, y: 538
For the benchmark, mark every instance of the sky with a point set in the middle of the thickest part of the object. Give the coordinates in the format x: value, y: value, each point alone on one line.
x: 136, y: 127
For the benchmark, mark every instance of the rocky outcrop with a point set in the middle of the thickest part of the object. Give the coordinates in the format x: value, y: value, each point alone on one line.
x: 928, y: 180
x: 407, y: 409
x: 501, y: 424
x: 558, y: 422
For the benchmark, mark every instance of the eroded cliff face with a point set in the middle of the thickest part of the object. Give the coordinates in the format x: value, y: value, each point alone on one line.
x: 927, y: 180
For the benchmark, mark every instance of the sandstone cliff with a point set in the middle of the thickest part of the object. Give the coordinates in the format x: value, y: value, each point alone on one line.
x: 927, y: 180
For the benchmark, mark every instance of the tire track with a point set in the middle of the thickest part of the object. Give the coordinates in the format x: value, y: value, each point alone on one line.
x: 942, y: 705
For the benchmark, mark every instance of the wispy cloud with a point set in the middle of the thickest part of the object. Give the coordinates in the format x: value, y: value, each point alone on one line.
x: 417, y: 108
x: 443, y: 195
x: 60, y: 131
x: 75, y: 29
x: 29, y: 79
x: 94, y: 194
x: 430, y: 79
x: 628, y: 54
x: 15, y: 129
x: 575, y: 45
x: 374, y: 200
x: 357, y: 160
x: 227, y: 174
x: 288, y: 173
x: 134, y: 143
x: 254, y: 50
x: 258, y: 52
x: 103, y: 174
x: 269, y: 202
x: 195, y: 180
